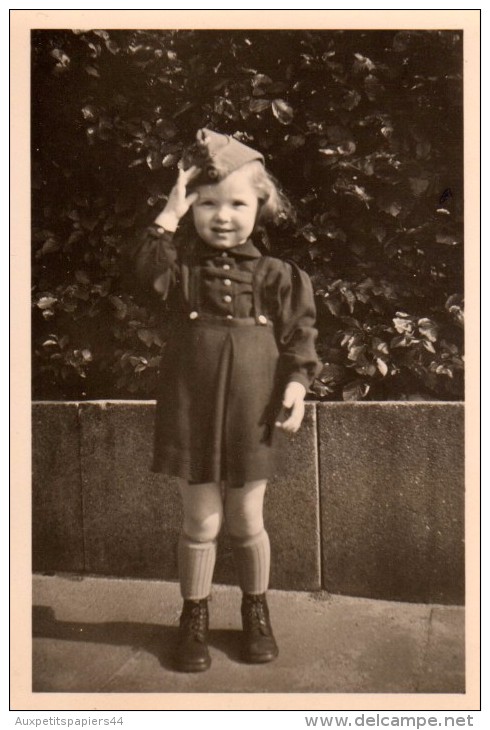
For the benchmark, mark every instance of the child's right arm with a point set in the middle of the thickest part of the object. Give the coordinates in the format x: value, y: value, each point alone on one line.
x: 154, y: 256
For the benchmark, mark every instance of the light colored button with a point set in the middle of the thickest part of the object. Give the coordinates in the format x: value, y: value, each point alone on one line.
x: 160, y: 229
x: 226, y: 267
x: 227, y: 282
x: 229, y: 316
x: 193, y: 315
x: 227, y: 298
x: 262, y: 319
x: 224, y: 254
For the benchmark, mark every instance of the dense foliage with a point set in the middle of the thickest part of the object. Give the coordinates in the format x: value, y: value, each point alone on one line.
x: 364, y: 131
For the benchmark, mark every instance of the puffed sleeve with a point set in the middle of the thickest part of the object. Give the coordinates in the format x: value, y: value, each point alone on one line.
x: 296, y: 332
x: 151, y: 260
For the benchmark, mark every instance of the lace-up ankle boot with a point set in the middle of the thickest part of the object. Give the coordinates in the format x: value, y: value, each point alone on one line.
x: 192, y: 653
x: 259, y: 645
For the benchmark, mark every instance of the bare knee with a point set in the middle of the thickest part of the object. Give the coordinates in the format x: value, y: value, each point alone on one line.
x: 244, y: 510
x: 202, y: 528
x: 203, y: 511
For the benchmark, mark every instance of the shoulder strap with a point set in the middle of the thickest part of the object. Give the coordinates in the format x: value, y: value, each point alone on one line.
x: 258, y: 278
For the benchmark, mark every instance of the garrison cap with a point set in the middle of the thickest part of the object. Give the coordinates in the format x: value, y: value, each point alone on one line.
x: 218, y: 155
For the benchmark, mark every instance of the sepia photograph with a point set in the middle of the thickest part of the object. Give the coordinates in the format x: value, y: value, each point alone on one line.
x: 247, y: 267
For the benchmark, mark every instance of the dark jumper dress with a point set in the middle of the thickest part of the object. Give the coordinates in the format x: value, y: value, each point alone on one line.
x: 244, y: 328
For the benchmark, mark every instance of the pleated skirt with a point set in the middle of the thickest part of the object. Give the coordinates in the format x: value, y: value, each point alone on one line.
x: 219, y: 395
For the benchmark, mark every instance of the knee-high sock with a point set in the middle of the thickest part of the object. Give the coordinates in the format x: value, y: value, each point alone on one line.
x: 196, y: 566
x: 253, y: 560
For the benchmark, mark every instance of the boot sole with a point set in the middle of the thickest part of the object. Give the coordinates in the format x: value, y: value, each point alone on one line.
x: 259, y: 658
x: 192, y: 668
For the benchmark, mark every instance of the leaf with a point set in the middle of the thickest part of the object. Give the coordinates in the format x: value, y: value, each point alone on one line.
x: 154, y: 160
x: 258, y: 105
x: 380, y: 346
x: 82, y: 277
x: 259, y: 82
x: 393, y: 207
x: 49, y: 246
x: 61, y: 57
x: 363, y: 63
x: 429, y: 346
x: 92, y: 71
x: 373, y: 87
x: 169, y: 160
x: 308, y: 232
x: 112, y: 47
x: 282, y: 111
x: 351, y: 100
x: 146, y: 336
x: 89, y: 112
x: 350, y: 297
x: 328, y: 151
x: 331, y: 373
x: 46, y: 302
x: 446, y: 238
x: 295, y: 140
x: 356, y: 390
x: 418, y: 185
x: 356, y: 352
x: 423, y: 149
x: 403, y: 325
x: 428, y: 329
x: 334, y: 306
x: 120, y: 306
x: 382, y: 366
x: 347, y: 148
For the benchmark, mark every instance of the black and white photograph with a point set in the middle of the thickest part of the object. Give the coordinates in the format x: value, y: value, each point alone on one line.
x: 248, y: 386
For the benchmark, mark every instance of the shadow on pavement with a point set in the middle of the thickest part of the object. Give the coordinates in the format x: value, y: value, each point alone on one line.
x: 156, y: 639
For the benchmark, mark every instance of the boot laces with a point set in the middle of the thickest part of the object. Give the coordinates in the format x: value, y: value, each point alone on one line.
x: 258, y: 619
x: 195, y: 622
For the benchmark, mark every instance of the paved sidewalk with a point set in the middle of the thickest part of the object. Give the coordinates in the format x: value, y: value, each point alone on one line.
x: 117, y: 635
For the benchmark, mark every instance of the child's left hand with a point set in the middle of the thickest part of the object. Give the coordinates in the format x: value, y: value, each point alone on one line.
x: 293, y: 401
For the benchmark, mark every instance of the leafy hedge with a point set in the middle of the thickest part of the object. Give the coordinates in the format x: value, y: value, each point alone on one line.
x: 363, y: 129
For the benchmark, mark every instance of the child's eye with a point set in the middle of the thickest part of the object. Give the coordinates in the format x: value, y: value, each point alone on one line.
x: 238, y: 203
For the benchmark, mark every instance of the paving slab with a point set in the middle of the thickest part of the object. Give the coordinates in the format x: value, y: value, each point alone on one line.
x: 446, y: 647
x: 119, y: 636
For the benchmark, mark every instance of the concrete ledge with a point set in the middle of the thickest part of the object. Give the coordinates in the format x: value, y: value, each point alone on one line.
x: 371, y: 501
x: 392, y: 495
x: 57, y: 535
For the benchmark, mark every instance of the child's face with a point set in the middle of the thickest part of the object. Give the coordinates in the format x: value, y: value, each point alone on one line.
x: 225, y: 212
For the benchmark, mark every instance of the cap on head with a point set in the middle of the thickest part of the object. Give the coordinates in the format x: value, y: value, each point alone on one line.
x: 218, y: 155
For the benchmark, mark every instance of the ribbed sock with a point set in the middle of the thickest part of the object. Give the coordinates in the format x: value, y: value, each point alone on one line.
x: 253, y: 560
x: 196, y: 567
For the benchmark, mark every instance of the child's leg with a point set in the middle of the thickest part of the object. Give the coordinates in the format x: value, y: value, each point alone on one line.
x: 245, y: 522
x: 203, y: 515
x: 244, y: 515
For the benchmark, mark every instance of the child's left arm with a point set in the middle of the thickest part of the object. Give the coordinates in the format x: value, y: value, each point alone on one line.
x: 297, y: 335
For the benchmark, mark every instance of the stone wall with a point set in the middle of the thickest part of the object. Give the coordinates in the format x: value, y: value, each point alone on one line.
x: 371, y: 501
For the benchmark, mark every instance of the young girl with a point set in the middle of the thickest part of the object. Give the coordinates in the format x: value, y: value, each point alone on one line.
x: 242, y: 350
